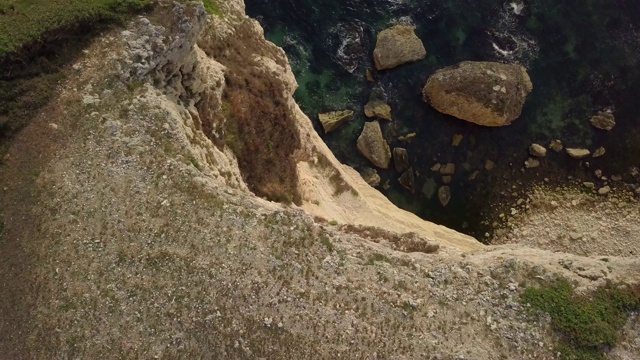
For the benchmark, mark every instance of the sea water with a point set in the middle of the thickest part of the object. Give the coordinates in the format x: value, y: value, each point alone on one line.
x: 583, y: 57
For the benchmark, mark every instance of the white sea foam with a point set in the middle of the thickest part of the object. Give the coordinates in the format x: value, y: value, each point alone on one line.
x: 517, y: 7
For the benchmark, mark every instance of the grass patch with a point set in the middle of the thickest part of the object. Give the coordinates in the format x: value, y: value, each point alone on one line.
x: 377, y: 257
x: 27, y: 22
x: 588, y: 325
x: 212, y: 7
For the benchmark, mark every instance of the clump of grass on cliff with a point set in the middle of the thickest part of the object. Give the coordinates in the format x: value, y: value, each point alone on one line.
x: 588, y: 325
x: 212, y: 7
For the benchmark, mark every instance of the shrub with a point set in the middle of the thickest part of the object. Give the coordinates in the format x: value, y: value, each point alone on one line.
x: 588, y: 324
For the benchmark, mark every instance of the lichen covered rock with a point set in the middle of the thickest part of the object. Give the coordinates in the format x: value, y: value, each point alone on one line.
x: 484, y: 93
x: 397, y: 45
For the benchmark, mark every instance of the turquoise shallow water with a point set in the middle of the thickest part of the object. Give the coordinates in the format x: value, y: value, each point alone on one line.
x: 583, y: 57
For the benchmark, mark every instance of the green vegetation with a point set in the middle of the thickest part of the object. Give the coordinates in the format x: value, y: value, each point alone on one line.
x: 27, y: 22
x: 212, y: 7
x: 377, y: 257
x: 588, y: 325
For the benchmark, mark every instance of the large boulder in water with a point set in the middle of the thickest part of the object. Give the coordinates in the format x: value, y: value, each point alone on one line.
x: 373, y: 146
x: 397, y: 45
x: 485, y: 93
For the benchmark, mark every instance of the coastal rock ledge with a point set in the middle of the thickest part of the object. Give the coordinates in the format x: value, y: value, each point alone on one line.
x: 484, y: 93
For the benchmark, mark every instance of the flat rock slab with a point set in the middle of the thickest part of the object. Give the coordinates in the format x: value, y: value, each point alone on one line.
x: 332, y: 120
x: 484, y: 93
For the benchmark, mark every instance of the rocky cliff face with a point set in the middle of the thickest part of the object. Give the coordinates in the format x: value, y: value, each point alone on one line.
x: 145, y: 237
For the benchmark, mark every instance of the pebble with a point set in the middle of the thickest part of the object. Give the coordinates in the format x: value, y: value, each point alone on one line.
x: 489, y: 165
x: 604, y: 190
x: 556, y: 145
x: 531, y: 163
x: 575, y: 236
x: 537, y: 150
x: 578, y: 153
x: 588, y: 185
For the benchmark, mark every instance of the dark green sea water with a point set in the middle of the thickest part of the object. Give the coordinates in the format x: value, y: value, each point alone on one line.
x: 582, y: 56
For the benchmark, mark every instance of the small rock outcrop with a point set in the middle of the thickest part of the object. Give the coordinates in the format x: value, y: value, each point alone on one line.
x: 332, y: 120
x: 400, y: 159
x: 397, y: 45
x: 603, y: 121
x: 378, y: 109
x: 373, y: 146
x: 484, y: 93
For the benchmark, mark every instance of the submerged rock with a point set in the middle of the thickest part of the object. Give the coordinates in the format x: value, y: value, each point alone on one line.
x: 484, y: 93
x: 373, y: 146
x: 407, y: 180
x: 444, y: 195
x: 603, y: 121
x: 370, y: 176
x: 599, y: 152
x: 400, y: 159
x: 378, y: 108
x: 332, y: 120
x: 397, y: 45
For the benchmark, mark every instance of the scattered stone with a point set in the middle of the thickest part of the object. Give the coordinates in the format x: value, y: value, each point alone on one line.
x: 531, y: 163
x: 461, y: 91
x: 616, y: 178
x: 53, y: 126
x: 457, y: 138
x: 448, y: 169
x: 369, y: 75
x: 537, y: 150
x: 589, y: 185
x: 575, y: 236
x: 378, y: 109
x: 446, y: 179
x: 474, y: 175
x: 407, y: 138
x: 371, y: 176
x: 603, y: 121
x: 332, y: 120
x: 578, y: 153
x: 598, y: 173
x: 489, y: 165
x: 407, y: 180
x: 444, y: 195
x: 373, y: 146
x: 604, y: 190
x: 556, y: 145
x: 387, y: 185
x: 397, y: 45
x: 436, y: 167
x: 599, y: 152
x: 400, y: 159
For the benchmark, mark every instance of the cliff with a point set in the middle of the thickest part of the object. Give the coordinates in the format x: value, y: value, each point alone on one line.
x: 141, y: 223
